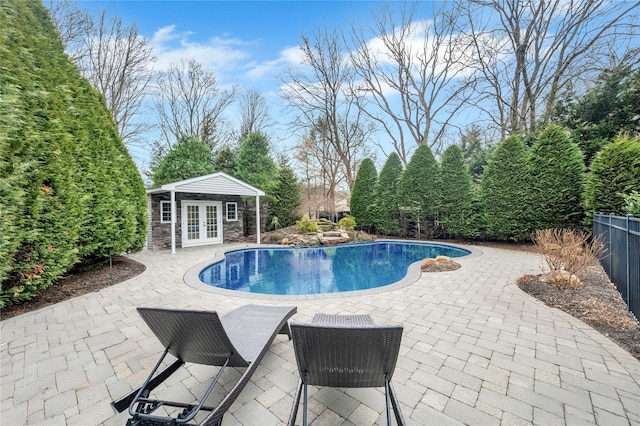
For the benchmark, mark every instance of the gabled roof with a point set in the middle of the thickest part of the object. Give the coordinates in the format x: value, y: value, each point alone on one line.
x: 216, y: 183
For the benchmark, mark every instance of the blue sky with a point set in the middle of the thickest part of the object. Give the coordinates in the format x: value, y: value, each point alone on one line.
x: 248, y: 43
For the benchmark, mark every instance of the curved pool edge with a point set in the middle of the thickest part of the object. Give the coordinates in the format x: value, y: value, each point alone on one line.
x: 192, y: 276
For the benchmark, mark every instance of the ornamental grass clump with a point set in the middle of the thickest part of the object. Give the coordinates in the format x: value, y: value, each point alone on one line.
x: 566, y: 253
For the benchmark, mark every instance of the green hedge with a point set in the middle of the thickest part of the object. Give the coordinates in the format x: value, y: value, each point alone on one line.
x: 69, y: 190
x: 557, y: 175
x: 615, y: 173
x: 457, y: 212
x: 504, y: 192
x: 361, y: 194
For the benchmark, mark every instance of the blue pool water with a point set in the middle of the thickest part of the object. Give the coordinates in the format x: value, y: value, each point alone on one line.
x: 317, y: 270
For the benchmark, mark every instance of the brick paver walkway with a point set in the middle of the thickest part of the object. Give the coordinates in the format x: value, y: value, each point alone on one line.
x: 476, y: 350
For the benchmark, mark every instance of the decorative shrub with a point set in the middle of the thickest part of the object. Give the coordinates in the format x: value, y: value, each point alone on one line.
x: 633, y: 203
x: 385, y: 210
x: 361, y: 199
x: 567, y: 252
x: 557, y: 176
x: 418, y: 189
x: 615, y: 172
x: 504, y: 192
x: 347, y: 223
x: 306, y: 225
x: 69, y: 191
x: 456, y: 195
x: 426, y: 263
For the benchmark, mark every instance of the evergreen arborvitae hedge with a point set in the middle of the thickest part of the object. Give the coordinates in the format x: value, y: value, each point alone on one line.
x: 557, y: 174
x: 69, y: 191
x: 615, y: 172
x: 362, y: 194
x: 419, y: 188
x: 504, y: 192
x: 285, y: 198
x: 457, y: 195
x: 385, y: 210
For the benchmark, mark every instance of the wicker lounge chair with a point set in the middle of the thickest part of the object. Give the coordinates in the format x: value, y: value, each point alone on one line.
x: 239, y: 339
x: 347, y: 351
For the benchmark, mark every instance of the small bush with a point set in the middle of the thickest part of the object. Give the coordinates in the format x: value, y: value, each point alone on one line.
x: 426, y: 263
x: 347, y: 223
x: 567, y: 252
x: 305, y: 225
x: 632, y: 202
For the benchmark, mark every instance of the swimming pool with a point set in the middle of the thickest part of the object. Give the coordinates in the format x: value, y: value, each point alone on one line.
x: 319, y: 270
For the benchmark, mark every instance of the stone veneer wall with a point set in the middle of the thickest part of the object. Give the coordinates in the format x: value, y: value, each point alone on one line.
x: 160, y: 234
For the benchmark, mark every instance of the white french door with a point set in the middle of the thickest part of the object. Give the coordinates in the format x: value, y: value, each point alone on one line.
x: 201, y: 222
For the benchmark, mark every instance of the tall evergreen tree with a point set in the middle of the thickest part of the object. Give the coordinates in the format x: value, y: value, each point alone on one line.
x: 557, y: 176
x: 285, y: 198
x: 504, y: 192
x: 457, y: 195
x: 615, y: 172
x: 418, y: 190
x: 225, y: 160
x: 385, y: 210
x: 610, y: 107
x: 70, y: 190
x: 361, y: 194
x: 188, y: 158
x: 254, y: 164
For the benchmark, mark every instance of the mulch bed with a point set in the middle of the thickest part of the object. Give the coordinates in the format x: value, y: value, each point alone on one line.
x: 77, y: 284
x: 441, y: 266
x: 597, y: 302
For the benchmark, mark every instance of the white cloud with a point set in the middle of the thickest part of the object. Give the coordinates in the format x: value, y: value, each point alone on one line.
x: 223, y: 55
x: 291, y: 56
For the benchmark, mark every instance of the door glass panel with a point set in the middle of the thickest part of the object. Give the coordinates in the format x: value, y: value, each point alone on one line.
x: 193, y: 222
x: 212, y: 221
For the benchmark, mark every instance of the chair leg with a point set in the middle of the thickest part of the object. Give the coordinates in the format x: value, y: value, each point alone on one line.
x: 296, y: 404
x: 396, y: 405
x: 386, y: 400
x: 304, y: 412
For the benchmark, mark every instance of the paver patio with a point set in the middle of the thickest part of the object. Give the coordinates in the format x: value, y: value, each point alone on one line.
x: 476, y: 350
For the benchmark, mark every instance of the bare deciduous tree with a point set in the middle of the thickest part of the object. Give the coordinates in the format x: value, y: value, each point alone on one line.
x: 322, y: 168
x: 254, y: 113
x: 115, y: 59
x: 413, y: 75
x: 526, y: 52
x: 320, y: 97
x: 119, y: 64
x: 73, y: 24
x: 189, y: 102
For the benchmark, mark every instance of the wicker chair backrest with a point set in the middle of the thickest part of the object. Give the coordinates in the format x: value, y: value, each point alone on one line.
x: 346, y: 356
x: 192, y: 336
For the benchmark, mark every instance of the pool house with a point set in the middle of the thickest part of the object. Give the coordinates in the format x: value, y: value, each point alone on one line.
x: 199, y: 211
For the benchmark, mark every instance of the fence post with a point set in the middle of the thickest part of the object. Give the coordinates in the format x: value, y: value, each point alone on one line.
x: 628, y: 234
x: 610, y: 240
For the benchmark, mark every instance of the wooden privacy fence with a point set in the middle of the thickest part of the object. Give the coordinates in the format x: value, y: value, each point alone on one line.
x: 621, y: 261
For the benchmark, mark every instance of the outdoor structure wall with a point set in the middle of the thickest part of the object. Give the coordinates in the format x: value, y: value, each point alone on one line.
x: 160, y: 233
x: 249, y: 216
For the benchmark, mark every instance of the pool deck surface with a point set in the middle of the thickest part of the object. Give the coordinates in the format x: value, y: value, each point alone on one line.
x: 476, y: 350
